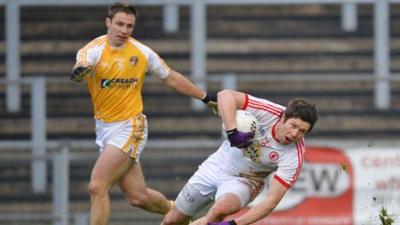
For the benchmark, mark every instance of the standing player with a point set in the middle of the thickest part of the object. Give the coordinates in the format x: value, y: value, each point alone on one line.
x: 234, y: 175
x: 114, y: 66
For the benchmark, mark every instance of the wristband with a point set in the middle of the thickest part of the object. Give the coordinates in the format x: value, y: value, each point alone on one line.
x: 206, y: 99
x: 232, y: 222
x: 230, y: 132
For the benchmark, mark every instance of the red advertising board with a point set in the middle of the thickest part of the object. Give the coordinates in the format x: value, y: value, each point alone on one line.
x: 323, y: 194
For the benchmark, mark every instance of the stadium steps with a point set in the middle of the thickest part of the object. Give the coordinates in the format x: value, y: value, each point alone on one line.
x: 164, y: 171
x: 82, y: 25
x: 168, y: 177
x: 64, y: 99
x: 243, y: 39
x: 264, y: 63
x: 337, y: 103
x: 371, y: 124
x: 341, y: 115
x: 214, y: 45
x: 311, y: 56
x: 264, y: 39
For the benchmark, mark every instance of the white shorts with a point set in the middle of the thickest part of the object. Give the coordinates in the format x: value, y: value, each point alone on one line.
x: 130, y: 136
x: 202, y: 188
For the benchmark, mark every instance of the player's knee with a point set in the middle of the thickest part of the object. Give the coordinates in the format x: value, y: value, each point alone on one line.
x: 97, y: 188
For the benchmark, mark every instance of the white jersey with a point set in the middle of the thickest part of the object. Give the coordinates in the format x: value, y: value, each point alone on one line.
x: 264, y: 156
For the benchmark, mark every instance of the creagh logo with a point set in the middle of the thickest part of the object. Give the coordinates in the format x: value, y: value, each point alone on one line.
x: 105, y: 83
x: 118, y: 83
x: 323, y: 193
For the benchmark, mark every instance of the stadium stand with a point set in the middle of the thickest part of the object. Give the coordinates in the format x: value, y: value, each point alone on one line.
x: 270, y: 40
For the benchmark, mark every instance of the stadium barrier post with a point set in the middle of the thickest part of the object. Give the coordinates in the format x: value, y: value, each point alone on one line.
x: 13, y: 58
x: 81, y: 218
x: 382, y: 54
x: 171, y: 17
x: 61, y: 186
x: 198, y: 53
x: 349, y: 16
x: 38, y: 134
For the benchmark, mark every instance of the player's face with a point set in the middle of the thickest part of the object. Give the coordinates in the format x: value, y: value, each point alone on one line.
x: 291, y: 130
x: 120, y: 28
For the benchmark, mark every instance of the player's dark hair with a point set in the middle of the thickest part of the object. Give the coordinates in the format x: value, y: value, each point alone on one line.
x: 303, y: 109
x: 121, y: 7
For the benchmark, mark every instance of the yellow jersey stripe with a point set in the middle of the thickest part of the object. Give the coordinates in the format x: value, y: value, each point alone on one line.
x: 96, y: 42
x: 132, y: 136
x: 139, y: 136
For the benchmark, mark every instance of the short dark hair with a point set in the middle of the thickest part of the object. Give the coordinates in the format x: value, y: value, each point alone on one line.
x: 303, y: 109
x: 121, y: 7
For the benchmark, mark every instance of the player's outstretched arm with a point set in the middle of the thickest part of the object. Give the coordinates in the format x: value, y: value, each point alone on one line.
x: 184, y: 86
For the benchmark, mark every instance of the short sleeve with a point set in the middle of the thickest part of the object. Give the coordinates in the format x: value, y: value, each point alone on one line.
x: 157, y: 66
x: 92, y: 51
x: 289, y: 167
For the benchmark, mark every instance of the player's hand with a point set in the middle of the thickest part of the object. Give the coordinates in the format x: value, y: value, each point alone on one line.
x: 80, y: 72
x: 211, y: 102
x: 230, y: 222
x: 240, y: 139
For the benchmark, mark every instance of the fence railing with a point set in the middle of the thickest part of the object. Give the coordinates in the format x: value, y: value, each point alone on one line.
x: 60, y: 189
x: 62, y: 155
